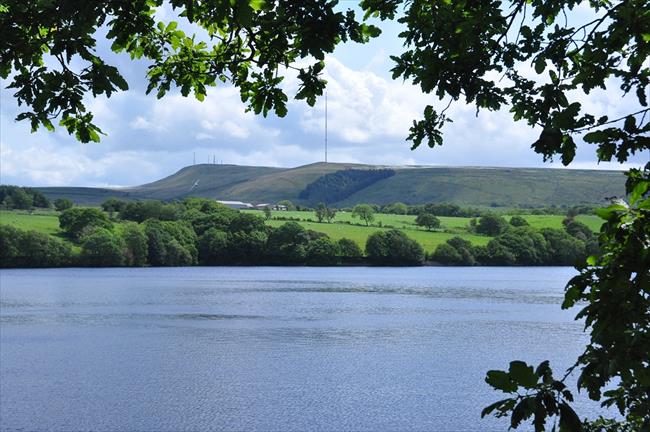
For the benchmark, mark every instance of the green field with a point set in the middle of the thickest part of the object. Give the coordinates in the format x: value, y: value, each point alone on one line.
x: 451, y: 226
x: 42, y: 221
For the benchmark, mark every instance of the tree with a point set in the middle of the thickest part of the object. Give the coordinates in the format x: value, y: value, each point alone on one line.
x: 396, y: 208
x: 578, y: 230
x: 61, y: 204
x: 31, y: 249
x: 491, y: 224
x: 134, y: 239
x: 393, y: 247
x: 101, y: 248
x: 113, y: 205
x: 323, y: 252
x: 324, y: 213
x: 21, y: 199
x: 427, y: 220
x: 213, y: 247
x: 267, y: 213
x: 77, y: 220
x: 518, y: 221
x: 164, y: 240
x: 287, y: 244
x: 364, y: 212
x: 350, y: 250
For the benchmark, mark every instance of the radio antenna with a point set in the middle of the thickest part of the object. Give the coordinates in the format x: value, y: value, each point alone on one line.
x: 326, y: 126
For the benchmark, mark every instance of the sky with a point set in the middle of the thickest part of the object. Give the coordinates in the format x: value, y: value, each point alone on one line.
x: 369, y: 115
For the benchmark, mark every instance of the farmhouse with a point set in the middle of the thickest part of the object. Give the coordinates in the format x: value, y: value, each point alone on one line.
x: 271, y: 206
x: 236, y: 204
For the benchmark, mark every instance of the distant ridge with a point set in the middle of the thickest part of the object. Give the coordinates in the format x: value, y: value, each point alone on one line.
x: 476, y: 186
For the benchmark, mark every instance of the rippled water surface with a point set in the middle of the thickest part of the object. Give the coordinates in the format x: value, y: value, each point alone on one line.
x: 271, y: 348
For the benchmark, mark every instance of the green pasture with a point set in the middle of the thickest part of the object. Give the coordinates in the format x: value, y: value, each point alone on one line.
x: 448, y: 223
x: 359, y: 234
x: 42, y: 221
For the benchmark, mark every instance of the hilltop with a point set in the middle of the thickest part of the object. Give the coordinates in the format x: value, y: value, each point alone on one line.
x: 476, y: 186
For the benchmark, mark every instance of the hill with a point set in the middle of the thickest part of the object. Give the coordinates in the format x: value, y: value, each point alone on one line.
x: 476, y: 186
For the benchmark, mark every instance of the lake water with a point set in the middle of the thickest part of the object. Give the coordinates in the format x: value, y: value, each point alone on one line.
x: 171, y: 349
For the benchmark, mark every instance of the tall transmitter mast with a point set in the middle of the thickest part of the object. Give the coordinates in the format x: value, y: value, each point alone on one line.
x: 325, y: 126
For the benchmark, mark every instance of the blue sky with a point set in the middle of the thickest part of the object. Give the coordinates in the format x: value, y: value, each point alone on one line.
x: 369, y: 117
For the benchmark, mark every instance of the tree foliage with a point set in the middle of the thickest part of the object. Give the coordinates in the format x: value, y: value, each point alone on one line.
x: 61, y: 204
x: 393, y: 247
x: 75, y: 222
x: 445, y: 55
x: 364, y: 212
x: 428, y: 221
x: 22, y: 198
x: 47, y: 51
x: 491, y: 224
x: 339, y: 185
x: 102, y: 248
x: 323, y: 212
x: 20, y: 248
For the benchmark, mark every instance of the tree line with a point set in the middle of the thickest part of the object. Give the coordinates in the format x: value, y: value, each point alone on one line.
x: 516, y: 243
x: 193, y: 232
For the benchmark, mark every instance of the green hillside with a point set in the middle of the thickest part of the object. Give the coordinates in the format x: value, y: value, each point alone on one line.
x: 468, y: 186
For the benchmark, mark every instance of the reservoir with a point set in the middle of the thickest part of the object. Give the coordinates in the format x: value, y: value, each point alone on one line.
x: 273, y: 348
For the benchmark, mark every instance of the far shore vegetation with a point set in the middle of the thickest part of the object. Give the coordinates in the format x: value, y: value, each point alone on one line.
x: 35, y: 232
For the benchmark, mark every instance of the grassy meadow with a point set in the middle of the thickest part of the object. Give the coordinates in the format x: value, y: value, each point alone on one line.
x: 43, y: 221
x: 343, y: 225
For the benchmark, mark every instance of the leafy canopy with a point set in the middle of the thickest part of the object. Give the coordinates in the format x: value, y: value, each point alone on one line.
x: 533, y: 57
x: 48, y: 51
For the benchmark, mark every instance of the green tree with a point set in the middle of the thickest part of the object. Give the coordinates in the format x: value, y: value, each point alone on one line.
x: 178, y: 234
x: 491, y: 224
x: 350, y: 250
x: 563, y: 249
x: 364, y: 212
x: 61, y: 204
x: 323, y: 251
x: 287, y: 244
x: 102, y: 248
x: 20, y: 248
x: 248, y: 247
x: 320, y: 211
x: 455, y: 251
x: 267, y: 213
x: 21, y: 199
x: 396, y: 208
x: 578, y: 230
x: 446, y: 254
x: 113, y: 205
x: 38, y: 199
x: 393, y: 247
x: 77, y: 220
x: 428, y: 221
x: 134, y: 239
x: 323, y: 212
x: 518, y: 221
x: 213, y: 247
